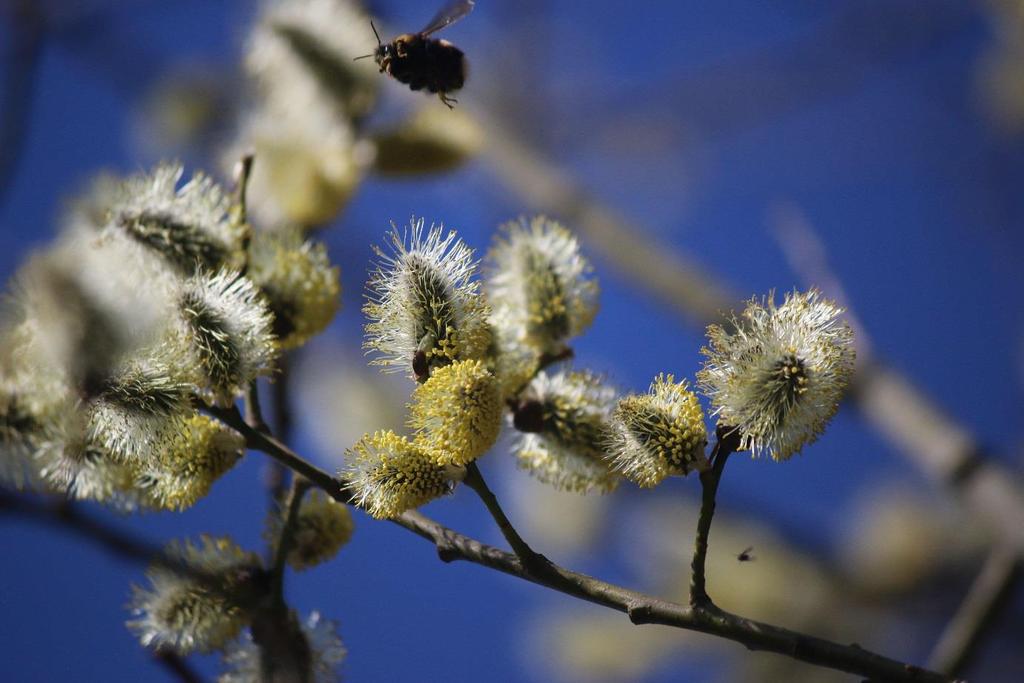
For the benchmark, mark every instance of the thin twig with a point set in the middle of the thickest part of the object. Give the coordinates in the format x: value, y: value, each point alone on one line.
x: 282, y: 420
x: 728, y: 441
x: 253, y: 411
x: 532, y: 561
x: 987, y: 598
x: 260, y: 441
x: 68, y: 517
x: 240, y: 208
x: 290, y: 511
x: 641, y: 608
x: 242, y: 174
x: 177, y: 665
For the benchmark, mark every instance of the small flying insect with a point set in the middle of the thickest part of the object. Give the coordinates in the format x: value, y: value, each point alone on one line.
x: 745, y: 556
x: 423, y: 62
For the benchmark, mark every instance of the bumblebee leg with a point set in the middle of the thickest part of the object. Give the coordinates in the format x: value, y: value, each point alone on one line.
x: 448, y: 101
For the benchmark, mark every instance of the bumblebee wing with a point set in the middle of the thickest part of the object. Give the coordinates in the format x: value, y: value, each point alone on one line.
x: 448, y: 15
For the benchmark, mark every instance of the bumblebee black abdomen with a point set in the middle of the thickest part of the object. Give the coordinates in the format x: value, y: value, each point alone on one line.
x: 426, y: 64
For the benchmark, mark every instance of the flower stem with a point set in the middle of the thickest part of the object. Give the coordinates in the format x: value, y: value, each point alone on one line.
x: 533, y: 562
x: 284, y: 542
x: 253, y: 411
x: 727, y: 443
x: 261, y: 441
x: 240, y: 210
x: 276, y: 473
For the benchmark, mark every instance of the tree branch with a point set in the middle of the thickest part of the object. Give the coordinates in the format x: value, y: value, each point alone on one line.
x: 282, y: 415
x: 641, y: 608
x: 644, y: 609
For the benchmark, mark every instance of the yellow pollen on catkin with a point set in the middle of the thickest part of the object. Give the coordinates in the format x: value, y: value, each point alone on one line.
x: 388, y: 474
x: 194, y: 458
x: 658, y: 434
x: 457, y: 412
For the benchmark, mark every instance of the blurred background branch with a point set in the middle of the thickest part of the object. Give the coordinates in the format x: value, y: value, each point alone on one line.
x: 988, y: 598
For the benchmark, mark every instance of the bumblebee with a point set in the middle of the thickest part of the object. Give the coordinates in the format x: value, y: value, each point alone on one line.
x: 425, y: 63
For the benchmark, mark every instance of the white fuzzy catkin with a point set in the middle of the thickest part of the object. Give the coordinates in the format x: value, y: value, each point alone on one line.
x: 424, y: 303
x: 778, y: 376
x: 568, y: 450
